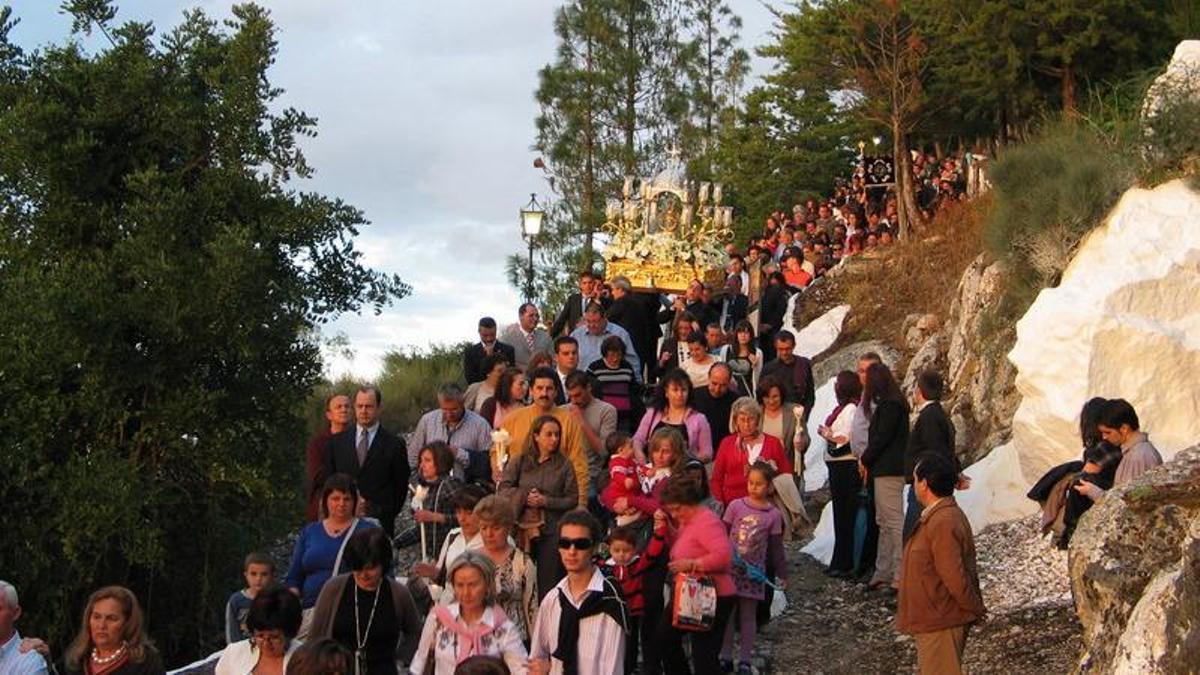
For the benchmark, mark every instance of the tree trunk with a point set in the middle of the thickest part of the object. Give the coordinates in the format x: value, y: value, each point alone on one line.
x: 907, y: 211
x: 1070, y: 105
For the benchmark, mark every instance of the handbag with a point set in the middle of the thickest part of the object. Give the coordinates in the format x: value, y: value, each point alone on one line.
x: 694, y: 603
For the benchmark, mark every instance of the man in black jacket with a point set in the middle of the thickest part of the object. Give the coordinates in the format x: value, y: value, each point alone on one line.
x: 771, y: 309
x: 932, y: 432
x: 488, y: 344
x: 376, y: 458
x: 794, y: 371
x: 571, y: 314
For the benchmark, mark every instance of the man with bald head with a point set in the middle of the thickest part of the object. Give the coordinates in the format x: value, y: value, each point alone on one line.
x: 715, y: 400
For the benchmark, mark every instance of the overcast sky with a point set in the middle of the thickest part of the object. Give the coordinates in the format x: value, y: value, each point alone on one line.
x: 425, y: 117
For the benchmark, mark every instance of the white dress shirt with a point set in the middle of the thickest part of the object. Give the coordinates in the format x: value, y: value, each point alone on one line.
x: 601, y: 639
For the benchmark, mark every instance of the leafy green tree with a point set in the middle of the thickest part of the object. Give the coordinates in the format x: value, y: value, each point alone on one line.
x: 160, y: 280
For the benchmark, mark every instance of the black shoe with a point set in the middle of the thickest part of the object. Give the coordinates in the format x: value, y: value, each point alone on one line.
x: 726, y: 666
x: 837, y: 574
x: 745, y: 669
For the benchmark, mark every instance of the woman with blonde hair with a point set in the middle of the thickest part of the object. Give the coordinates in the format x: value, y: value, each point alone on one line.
x: 111, y: 640
x: 473, y: 625
x: 515, y: 581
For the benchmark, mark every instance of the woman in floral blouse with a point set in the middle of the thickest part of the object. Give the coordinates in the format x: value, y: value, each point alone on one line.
x: 473, y: 625
x: 515, y: 582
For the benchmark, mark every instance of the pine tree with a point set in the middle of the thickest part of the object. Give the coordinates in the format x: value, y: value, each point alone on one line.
x: 717, y: 68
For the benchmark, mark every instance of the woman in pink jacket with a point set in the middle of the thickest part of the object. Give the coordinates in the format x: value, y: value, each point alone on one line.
x: 702, y: 547
x: 745, y: 446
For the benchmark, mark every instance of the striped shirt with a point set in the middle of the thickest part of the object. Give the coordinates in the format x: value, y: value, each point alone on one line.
x: 601, y: 639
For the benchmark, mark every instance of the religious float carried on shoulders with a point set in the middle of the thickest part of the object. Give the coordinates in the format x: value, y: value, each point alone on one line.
x: 668, y: 231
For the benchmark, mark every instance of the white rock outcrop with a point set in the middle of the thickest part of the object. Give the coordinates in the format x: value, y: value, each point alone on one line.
x: 820, y: 333
x: 1124, y: 322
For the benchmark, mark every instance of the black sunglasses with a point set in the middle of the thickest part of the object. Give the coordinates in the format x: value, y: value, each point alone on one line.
x: 581, y: 544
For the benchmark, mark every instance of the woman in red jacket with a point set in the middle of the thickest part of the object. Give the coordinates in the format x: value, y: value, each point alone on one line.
x: 745, y: 446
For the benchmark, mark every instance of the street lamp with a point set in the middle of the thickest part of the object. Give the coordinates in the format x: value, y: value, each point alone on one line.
x: 531, y: 226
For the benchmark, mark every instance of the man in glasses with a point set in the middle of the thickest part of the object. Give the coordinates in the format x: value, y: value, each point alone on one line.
x: 581, y: 623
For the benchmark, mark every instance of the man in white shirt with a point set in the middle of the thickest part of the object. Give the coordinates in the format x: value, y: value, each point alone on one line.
x: 581, y: 622
x: 12, y: 661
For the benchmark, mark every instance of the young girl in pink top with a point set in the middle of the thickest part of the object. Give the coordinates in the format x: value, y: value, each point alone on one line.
x: 756, y: 534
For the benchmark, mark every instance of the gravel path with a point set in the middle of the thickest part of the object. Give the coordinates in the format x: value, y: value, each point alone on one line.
x: 835, y: 626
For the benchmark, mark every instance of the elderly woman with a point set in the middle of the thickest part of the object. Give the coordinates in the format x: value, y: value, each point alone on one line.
x: 434, y: 482
x: 473, y: 625
x: 111, y: 640
x: 510, y: 395
x: 742, y: 448
x: 371, y: 615
x: 701, y: 546
x: 541, y: 486
x: 672, y: 410
x: 617, y: 384
x: 318, y: 554
x: 516, y: 575
x: 273, y: 622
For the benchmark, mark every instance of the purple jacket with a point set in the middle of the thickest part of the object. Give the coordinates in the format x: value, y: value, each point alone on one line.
x: 699, y: 436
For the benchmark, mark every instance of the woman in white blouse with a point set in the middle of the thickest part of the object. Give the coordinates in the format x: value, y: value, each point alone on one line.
x: 473, y: 625
x: 844, y: 481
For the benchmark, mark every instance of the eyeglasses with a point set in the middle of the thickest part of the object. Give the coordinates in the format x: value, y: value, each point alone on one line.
x: 581, y: 544
x: 267, y: 638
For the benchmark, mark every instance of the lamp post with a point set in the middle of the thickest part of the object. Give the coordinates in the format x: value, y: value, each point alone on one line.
x: 531, y: 226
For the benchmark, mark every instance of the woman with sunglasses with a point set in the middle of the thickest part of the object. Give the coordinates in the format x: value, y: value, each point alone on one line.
x: 273, y: 622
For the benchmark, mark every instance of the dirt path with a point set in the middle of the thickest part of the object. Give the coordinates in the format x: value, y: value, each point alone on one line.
x: 836, y: 626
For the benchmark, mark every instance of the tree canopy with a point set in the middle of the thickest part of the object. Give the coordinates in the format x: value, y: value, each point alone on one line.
x: 161, y: 280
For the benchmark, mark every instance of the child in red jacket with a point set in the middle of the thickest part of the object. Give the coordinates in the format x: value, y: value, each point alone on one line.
x: 628, y: 569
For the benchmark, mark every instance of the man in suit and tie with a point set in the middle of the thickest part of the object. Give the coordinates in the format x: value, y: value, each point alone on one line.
x: 733, y: 308
x: 488, y: 344
x: 374, y: 457
x: 629, y: 312
x: 526, y: 337
x: 933, y: 432
x: 571, y: 315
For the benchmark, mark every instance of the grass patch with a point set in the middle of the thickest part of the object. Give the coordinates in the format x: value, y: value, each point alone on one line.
x: 915, y: 276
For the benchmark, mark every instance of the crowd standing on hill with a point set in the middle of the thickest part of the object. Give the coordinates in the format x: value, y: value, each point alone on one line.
x: 612, y: 490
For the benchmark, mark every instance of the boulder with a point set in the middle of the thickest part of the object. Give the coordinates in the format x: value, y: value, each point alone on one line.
x: 928, y: 356
x: 916, y: 330
x: 1135, y: 573
x: 846, y: 358
x: 1122, y: 323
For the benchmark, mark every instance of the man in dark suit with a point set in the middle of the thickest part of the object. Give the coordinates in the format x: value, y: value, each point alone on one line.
x: 691, y: 302
x: 771, y: 309
x: 733, y: 307
x: 488, y: 344
x: 932, y: 432
x: 376, y: 458
x: 571, y: 315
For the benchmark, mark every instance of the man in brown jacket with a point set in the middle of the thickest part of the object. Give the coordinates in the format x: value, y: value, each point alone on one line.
x: 939, y: 582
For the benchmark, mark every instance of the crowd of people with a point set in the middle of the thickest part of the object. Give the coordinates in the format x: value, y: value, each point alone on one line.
x: 607, y: 496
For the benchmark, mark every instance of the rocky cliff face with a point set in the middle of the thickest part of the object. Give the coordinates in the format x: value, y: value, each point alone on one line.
x: 1135, y: 573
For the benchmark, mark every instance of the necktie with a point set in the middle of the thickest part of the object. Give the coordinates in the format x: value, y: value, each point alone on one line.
x: 529, y: 341
x: 363, y: 445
